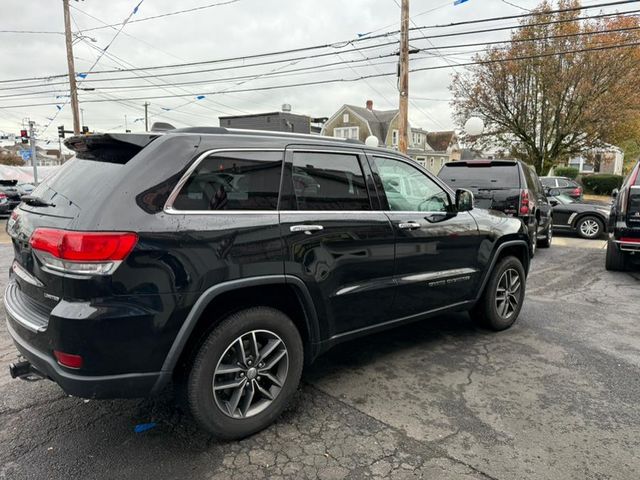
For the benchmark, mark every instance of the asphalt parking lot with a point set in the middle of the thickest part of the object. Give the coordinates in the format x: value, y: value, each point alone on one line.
x: 555, y: 397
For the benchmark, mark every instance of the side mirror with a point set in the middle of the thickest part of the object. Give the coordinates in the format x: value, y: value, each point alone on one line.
x: 614, y: 193
x: 553, y: 203
x: 464, y: 200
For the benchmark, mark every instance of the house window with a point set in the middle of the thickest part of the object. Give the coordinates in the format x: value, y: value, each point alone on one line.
x: 432, y: 162
x: 422, y: 161
x: 345, y: 118
x: 394, y: 138
x: 347, y: 132
x: 442, y: 162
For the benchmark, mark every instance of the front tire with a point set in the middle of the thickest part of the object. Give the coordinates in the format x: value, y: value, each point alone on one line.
x: 590, y: 227
x: 502, y: 299
x: 615, y: 259
x: 245, y: 373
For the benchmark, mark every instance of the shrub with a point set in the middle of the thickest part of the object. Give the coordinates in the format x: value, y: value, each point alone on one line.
x: 601, y: 184
x: 569, y: 172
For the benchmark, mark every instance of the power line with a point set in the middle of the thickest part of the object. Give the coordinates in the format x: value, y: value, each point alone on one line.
x: 350, y: 80
x: 342, y: 44
x: 299, y: 70
x: 32, y: 31
x: 163, y: 15
x: 272, y: 62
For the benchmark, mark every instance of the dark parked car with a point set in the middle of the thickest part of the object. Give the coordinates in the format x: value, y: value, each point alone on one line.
x: 589, y: 220
x: 509, y: 186
x: 624, y: 224
x: 226, y: 260
x: 565, y: 185
x: 9, y: 196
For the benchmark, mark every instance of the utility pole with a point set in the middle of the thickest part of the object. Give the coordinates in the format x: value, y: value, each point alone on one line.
x: 403, y: 80
x: 72, y: 69
x: 34, y: 158
x: 146, y: 116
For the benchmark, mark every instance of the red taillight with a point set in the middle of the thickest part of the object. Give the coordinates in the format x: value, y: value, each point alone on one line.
x: 68, y: 359
x: 82, y: 253
x: 576, y: 191
x: 629, y: 240
x: 3, y: 195
x: 524, y: 202
x: 84, y: 246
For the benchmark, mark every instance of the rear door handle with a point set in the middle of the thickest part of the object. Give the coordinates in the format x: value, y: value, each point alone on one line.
x: 408, y: 225
x: 308, y: 229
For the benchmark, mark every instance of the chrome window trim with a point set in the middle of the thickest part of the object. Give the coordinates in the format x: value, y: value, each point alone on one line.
x: 309, y: 149
x: 168, y: 206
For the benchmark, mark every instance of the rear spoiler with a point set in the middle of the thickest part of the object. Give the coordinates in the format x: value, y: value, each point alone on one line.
x: 109, y: 147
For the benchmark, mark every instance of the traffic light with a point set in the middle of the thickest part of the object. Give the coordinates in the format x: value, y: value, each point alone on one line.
x: 85, y: 129
x: 24, y: 136
x: 61, y: 131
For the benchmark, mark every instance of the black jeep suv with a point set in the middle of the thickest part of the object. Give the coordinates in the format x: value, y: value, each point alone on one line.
x: 226, y: 260
x: 624, y: 224
x: 509, y: 186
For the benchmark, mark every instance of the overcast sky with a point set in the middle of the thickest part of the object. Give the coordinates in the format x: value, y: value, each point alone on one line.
x: 239, y: 28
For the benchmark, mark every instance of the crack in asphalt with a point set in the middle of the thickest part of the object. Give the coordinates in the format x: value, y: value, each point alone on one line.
x: 437, y: 451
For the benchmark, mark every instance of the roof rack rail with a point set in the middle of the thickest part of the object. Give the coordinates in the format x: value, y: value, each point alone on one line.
x: 164, y: 127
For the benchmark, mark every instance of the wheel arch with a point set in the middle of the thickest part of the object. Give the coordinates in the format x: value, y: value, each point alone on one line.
x: 284, y: 292
x: 597, y: 215
x: 516, y: 248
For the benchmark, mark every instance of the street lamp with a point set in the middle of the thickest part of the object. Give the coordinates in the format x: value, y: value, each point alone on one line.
x: 372, y: 141
x: 474, y: 126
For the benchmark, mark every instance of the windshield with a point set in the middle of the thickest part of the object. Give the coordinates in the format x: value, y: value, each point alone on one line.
x: 491, y: 177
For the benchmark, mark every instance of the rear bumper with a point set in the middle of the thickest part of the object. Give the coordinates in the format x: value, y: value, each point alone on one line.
x: 36, y: 333
x: 106, y: 386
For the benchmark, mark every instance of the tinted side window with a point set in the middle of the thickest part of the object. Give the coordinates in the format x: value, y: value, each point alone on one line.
x: 329, y: 181
x: 233, y: 181
x: 563, y: 183
x: 548, y: 182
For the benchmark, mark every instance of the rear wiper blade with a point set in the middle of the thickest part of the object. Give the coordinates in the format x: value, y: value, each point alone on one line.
x: 36, y: 201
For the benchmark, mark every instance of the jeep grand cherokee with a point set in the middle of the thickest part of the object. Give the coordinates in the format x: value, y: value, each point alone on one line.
x: 227, y: 260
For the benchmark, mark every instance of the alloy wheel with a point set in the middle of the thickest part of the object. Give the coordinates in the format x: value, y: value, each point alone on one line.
x: 250, y: 374
x: 508, y: 293
x: 589, y: 228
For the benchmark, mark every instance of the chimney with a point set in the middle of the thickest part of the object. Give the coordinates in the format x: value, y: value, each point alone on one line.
x: 370, y: 105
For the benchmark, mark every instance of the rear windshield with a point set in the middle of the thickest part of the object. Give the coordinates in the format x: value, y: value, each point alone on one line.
x: 488, y: 176
x: 80, y: 181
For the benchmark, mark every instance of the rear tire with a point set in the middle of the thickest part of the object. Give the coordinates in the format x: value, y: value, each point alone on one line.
x: 546, y: 241
x: 239, y: 353
x: 502, y: 299
x: 615, y: 260
x: 590, y: 227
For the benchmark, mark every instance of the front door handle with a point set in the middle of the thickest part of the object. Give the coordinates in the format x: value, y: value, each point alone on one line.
x: 308, y: 229
x: 408, y: 225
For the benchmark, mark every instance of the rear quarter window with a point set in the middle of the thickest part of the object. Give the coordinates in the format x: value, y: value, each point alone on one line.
x: 233, y: 181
